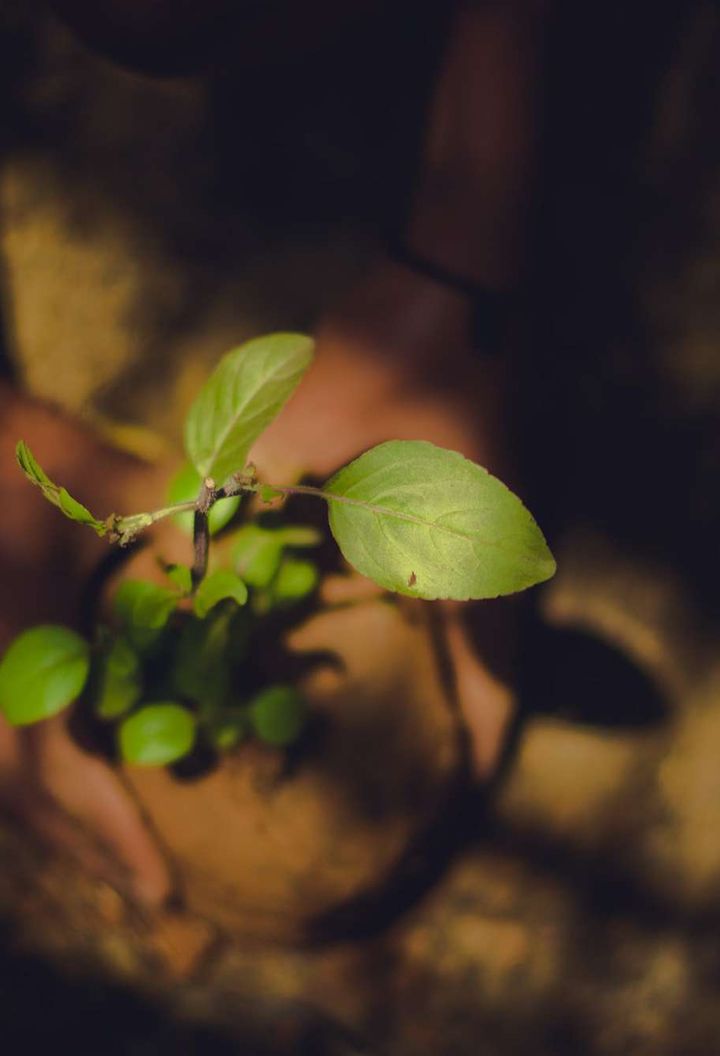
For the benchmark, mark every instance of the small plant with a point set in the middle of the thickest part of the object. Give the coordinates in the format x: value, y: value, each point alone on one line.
x: 167, y: 670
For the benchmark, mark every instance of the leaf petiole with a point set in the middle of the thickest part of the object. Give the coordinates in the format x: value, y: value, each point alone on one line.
x: 249, y: 485
x: 123, y: 530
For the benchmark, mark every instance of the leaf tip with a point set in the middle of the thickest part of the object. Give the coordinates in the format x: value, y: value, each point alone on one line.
x: 547, y: 566
x: 26, y: 461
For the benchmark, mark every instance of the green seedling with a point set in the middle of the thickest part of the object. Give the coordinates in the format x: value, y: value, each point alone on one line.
x: 417, y: 519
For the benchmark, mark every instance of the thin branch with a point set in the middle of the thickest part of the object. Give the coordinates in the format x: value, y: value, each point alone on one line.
x: 243, y: 484
x: 168, y: 511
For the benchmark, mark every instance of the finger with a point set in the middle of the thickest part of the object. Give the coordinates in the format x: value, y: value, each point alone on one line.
x: 486, y: 703
x: 89, y: 793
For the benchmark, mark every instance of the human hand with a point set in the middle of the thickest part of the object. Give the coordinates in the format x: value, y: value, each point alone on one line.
x: 74, y: 801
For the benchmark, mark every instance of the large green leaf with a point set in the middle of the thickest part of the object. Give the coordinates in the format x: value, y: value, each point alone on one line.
x: 43, y: 671
x: 157, y: 734
x: 242, y: 396
x: 424, y: 521
x: 55, y: 494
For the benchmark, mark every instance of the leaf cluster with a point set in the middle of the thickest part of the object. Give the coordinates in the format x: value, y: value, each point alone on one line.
x: 417, y: 519
x: 167, y: 670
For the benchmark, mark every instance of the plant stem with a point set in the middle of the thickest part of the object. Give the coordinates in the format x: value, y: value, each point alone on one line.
x: 201, y: 548
x: 201, y: 531
x: 125, y: 529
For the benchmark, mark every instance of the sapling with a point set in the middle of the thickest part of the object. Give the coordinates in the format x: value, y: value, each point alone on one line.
x: 167, y: 669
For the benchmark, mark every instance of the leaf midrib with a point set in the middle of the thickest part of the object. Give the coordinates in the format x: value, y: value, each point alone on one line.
x: 383, y: 511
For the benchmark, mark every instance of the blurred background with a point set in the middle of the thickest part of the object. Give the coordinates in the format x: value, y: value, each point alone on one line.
x: 173, y: 184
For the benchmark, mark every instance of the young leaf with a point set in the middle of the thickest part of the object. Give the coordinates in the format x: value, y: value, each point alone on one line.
x: 245, y: 392
x: 300, y: 536
x: 268, y: 493
x: 294, y: 581
x: 184, y: 487
x: 278, y: 715
x: 119, y: 682
x: 257, y: 553
x: 43, y: 671
x: 142, y: 609
x: 55, y: 494
x: 215, y: 588
x: 201, y: 664
x: 424, y: 521
x: 229, y: 730
x: 157, y: 734
x: 181, y: 577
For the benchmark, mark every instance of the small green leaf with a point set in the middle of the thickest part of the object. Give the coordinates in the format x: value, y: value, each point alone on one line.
x: 245, y: 392
x: 55, y: 494
x: 300, y: 536
x: 278, y: 715
x: 185, y: 487
x: 157, y: 734
x: 216, y: 587
x: 229, y: 730
x: 181, y: 577
x: 119, y: 682
x: 76, y: 511
x: 30, y: 466
x: 142, y: 610
x: 424, y: 521
x: 294, y: 581
x: 43, y: 670
x: 201, y: 667
x: 227, y: 736
x: 268, y: 493
x: 257, y: 553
